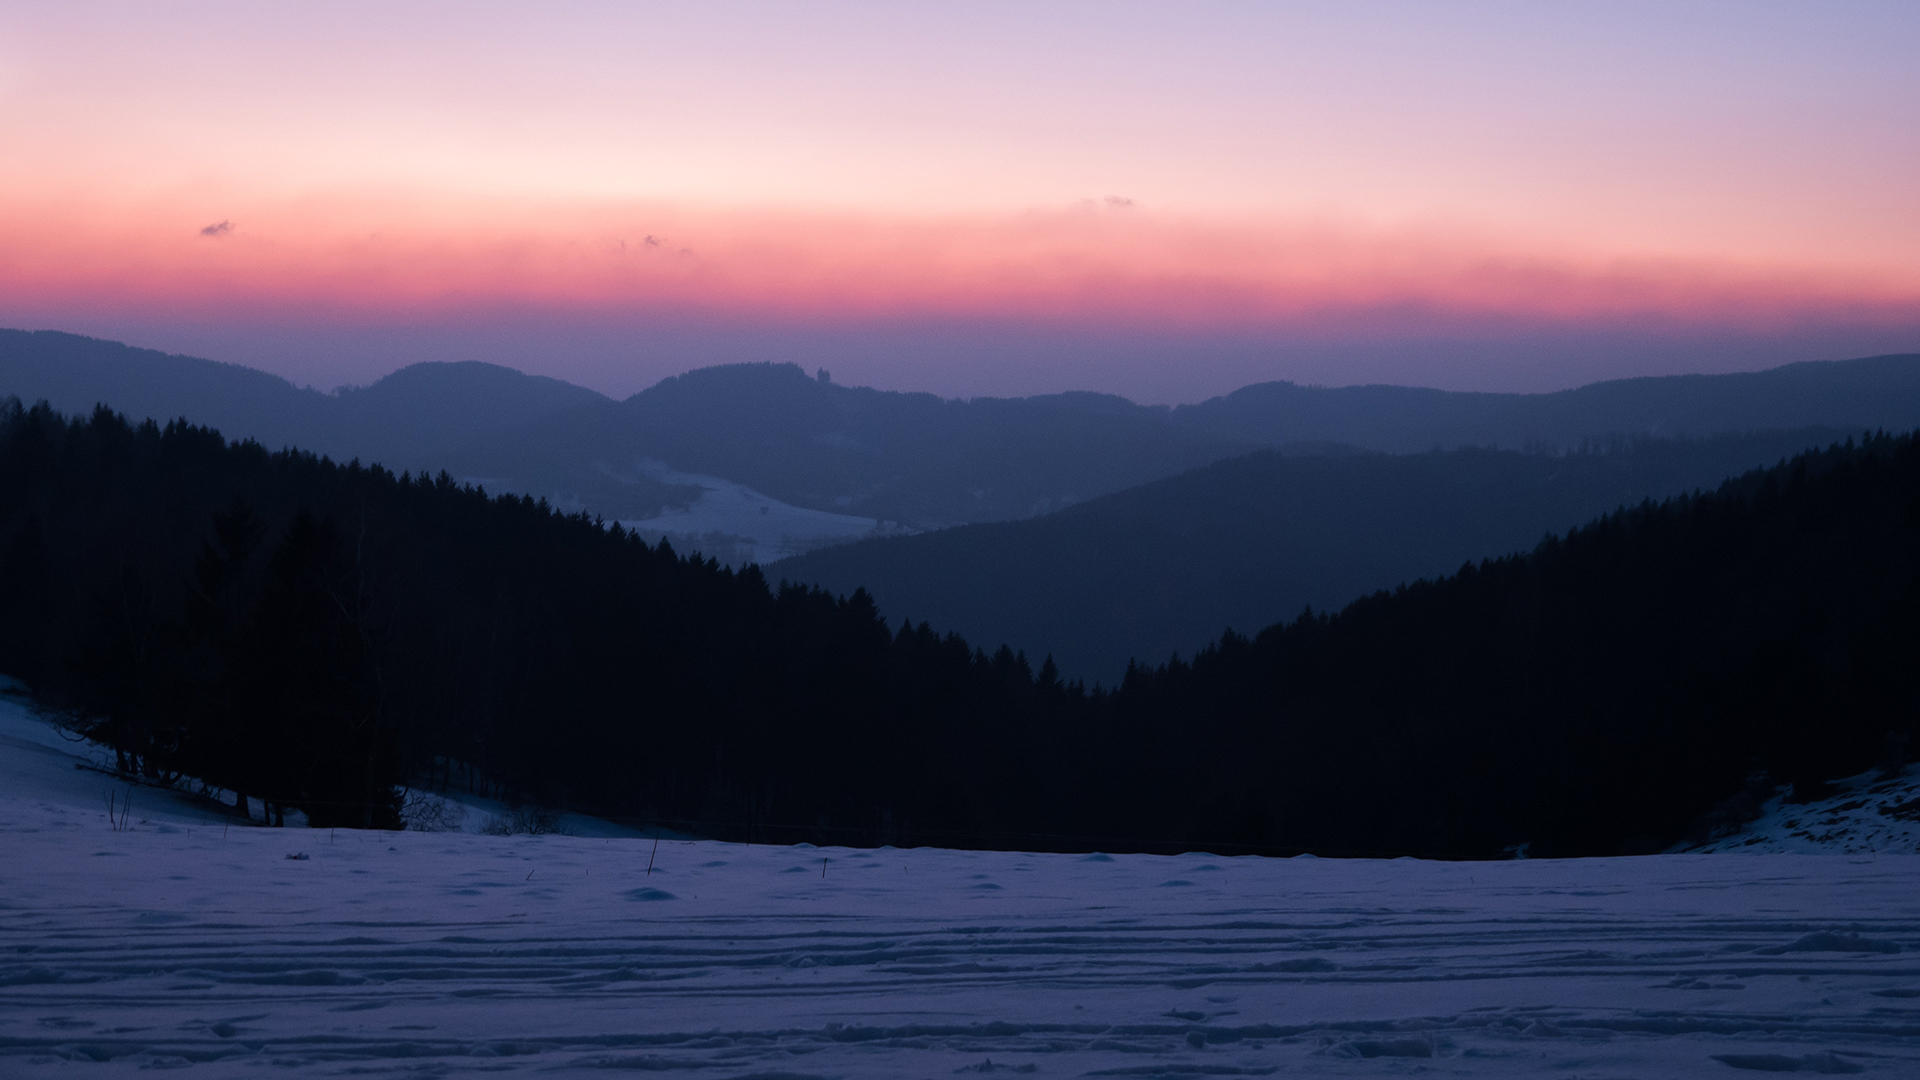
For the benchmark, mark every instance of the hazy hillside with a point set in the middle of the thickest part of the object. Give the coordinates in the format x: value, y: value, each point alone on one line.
x: 928, y: 461
x: 1870, y: 393
x: 74, y: 373
x: 425, y: 411
x: 914, y: 458
x: 414, y: 418
x: 857, y: 451
x: 1166, y: 566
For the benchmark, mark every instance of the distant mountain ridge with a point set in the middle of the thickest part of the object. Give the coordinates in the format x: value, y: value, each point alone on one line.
x: 431, y: 407
x: 912, y: 458
x: 408, y: 420
x: 930, y: 462
x: 75, y: 373
x: 887, y: 455
x: 1868, y: 393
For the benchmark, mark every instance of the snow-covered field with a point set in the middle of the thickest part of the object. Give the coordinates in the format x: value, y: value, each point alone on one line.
x: 248, y: 952
x: 738, y: 525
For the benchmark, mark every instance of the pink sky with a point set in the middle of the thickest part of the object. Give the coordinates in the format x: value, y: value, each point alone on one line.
x: 1165, y: 201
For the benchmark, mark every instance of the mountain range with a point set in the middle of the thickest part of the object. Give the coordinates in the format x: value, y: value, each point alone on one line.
x: 408, y: 420
x: 886, y: 456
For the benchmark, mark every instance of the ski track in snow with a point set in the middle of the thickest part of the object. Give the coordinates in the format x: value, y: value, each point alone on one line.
x: 183, y: 943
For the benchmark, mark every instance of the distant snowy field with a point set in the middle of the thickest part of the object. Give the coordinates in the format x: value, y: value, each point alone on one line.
x: 249, y: 952
x: 738, y: 525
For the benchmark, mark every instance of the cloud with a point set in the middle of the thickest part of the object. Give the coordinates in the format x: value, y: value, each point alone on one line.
x: 1119, y: 202
x: 653, y: 241
x: 217, y: 229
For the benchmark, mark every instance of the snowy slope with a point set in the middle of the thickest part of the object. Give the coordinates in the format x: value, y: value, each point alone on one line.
x: 737, y: 525
x: 51, y: 774
x: 60, y: 774
x: 249, y: 952
x: 1871, y: 812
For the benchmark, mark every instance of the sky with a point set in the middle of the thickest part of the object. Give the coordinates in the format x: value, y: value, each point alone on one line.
x: 1165, y: 201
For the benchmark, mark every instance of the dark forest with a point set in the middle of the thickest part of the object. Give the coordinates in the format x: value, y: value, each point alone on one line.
x: 322, y: 636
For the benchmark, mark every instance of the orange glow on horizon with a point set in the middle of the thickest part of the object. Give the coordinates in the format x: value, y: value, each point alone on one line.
x: 441, y: 178
x: 1099, y: 264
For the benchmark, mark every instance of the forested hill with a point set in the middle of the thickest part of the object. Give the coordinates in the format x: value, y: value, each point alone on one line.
x: 1868, y: 393
x: 317, y: 635
x: 929, y: 462
x: 416, y: 417
x: 905, y: 457
x: 913, y: 458
x: 1633, y: 681
x: 1161, y: 568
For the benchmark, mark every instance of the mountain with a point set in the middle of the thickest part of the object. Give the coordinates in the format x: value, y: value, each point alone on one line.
x: 409, y: 420
x: 852, y: 451
x: 930, y: 462
x: 902, y: 457
x: 1871, y: 393
x: 1162, y: 568
x: 74, y: 373
x: 875, y: 456
x: 423, y: 411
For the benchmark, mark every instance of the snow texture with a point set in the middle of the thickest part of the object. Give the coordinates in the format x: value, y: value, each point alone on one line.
x: 181, y: 942
x: 1876, y: 811
x: 464, y: 813
x: 738, y: 525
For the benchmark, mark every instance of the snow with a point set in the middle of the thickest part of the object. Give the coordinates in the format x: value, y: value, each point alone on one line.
x: 1877, y: 811
x: 461, y: 812
x: 738, y: 525
x: 186, y: 942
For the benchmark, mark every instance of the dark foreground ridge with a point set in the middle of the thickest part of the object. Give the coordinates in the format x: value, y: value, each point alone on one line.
x: 317, y: 634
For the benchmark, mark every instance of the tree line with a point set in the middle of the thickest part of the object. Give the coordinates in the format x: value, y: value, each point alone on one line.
x: 321, y: 636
